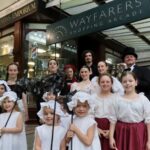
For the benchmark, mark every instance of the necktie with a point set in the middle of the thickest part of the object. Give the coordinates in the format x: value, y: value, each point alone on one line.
x: 127, y: 69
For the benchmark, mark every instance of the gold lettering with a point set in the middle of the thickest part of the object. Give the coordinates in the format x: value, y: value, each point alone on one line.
x: 25, y: 10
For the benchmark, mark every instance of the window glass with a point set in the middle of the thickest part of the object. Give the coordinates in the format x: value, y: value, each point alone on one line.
x: 6, y: 54
x: 38, y: 52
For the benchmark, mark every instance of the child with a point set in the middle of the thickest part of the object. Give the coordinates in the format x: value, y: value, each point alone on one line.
x: 11, y: 129
x: 43, y: 133
x: 48, y: 96
x: 130, y: 118
x: 83, y: 131
x: 3, y: 88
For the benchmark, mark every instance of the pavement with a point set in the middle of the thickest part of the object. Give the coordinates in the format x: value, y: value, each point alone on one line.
x: 30, y: 135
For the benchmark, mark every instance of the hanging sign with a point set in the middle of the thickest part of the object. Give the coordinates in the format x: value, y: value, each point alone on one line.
x: 109, y: 15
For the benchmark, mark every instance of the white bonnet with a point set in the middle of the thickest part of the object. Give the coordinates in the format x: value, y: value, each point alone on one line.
x: 50, y: 104
x: 82, y: 97
x: 11, y: 95
x: 5, y: 84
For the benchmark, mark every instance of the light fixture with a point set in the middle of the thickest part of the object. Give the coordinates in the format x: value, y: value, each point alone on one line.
x: 31, y: 63
x: 31, y: 70
x: 39, y: 50
x: 55, y: 55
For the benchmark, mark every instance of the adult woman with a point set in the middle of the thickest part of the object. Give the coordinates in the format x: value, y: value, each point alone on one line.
x: 12, y: 78
x: 69, y: 78
x: 53, y: 81
x: 85, y: 85
x: 103, y: 102
x: 103, y: 68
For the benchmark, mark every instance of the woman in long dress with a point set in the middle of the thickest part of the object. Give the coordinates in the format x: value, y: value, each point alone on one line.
x: 12, y: 81
x: 85, y: 84
x: 116, y: 86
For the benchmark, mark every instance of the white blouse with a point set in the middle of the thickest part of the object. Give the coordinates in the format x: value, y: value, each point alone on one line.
x: 89, y: 88
x: 103, y: 105
x: 116, y: 87
x: 131, y: 111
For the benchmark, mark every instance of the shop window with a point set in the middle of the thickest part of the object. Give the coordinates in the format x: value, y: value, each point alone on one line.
x: 38, y: 52
x: 6, y: 54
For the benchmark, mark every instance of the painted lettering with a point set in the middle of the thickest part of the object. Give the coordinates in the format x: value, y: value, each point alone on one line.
x: 128, y: 5
x: 88, y: 18
x: 82, y: 21
x: 95, y: 16
x: 74, y: 23
x: 138, y: 3
x: 102, y: 14
x: 119, y: 9
x: 111, y: 11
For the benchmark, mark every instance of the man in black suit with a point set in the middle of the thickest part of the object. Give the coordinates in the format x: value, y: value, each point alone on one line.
x: 87, y: 56
x: 129, y: 57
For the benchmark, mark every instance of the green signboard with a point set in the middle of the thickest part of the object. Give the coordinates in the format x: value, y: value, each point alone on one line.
x: 115, y: 13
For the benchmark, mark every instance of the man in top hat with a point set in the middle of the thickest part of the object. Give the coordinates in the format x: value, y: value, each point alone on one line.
x: 129, y: 57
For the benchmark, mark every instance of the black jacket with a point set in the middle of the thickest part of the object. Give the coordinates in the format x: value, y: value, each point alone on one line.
x: 143, y: 76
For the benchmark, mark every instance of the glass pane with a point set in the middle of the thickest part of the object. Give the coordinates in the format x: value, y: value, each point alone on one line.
x: 38, y: 52
x: 6, y: 54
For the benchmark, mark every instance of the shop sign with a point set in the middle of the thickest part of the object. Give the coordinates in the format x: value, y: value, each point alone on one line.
x: 19, y: 14
x: 109, y: 15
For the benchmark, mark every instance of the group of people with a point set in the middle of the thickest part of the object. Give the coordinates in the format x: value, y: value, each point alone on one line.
x: 104, y: 113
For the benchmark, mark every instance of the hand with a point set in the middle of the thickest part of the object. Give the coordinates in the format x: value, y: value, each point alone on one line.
x: 148, y: 146
x: 73, y: 127
x: 112, y: 144
x: 70, y: 134
x: 100, y: 132
x: 106, y: 134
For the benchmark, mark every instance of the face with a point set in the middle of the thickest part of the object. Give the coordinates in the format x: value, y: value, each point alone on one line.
x: 88, y: 57
x: 2, y: 90
x: 102, y: 68
x: 13, y: 71
x: 81, y: 109
x: 8, y: 105
x: 129, y: 60
x: 69, y: 73
x: 129, y: 83
x: 84, y: 73
x: 48, y: 116
x: 105, y: 83
x: 53, y: 66
x: 50, y: 96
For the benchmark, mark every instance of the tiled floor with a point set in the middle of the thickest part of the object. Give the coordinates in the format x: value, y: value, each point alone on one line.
x: 30, y: 135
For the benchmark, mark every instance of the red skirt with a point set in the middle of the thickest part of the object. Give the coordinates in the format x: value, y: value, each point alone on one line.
x: 131, y: 136
x: 103, y: 123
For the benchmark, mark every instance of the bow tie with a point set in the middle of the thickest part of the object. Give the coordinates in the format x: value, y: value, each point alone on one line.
x: 127, y: 69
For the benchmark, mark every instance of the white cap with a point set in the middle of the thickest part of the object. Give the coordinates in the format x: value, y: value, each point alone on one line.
x: 81, y: 97
x: 50, y: 104
x: 11, y: 95
x: 5, y: 84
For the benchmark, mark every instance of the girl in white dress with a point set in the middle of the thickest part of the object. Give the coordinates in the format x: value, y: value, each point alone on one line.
x: 3, y: 88
x: 43, y: 133
x: 83, y: 130
x: 85, y: 85
x: 130, y: 118
x: 12, y: 132
x: 116, y: 86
